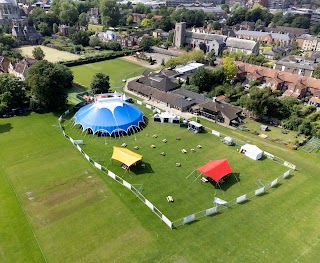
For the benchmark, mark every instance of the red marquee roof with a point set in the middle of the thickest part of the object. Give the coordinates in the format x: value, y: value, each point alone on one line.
x: 216, y: 169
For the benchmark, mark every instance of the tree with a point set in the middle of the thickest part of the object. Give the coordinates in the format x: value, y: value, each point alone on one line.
x: 110, y: 12
x: 316, y: 72
x: 147, y: 42
x: 100, y: 83
x: 229, y: 68
x: 12, y: 93
x: 80, y: 38
x: 38, y: 53
x: 196, y: 55
x: 83, y: 19
x: 44, y: 29
x: 68, y: 13
x: 202, y: 78
x: 55, y: 28
x: 48, y: 84
x: 315, y: 29
x: 129, y: 20
x: 94, y: 41
x: 172, y: 62
x: 145, y: 22
x: 216, y: 25
x: 211, y: 57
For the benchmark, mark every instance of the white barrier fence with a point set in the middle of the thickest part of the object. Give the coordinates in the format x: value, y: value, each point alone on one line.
x: 192, y: 217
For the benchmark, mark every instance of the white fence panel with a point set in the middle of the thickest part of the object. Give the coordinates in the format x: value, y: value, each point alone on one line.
x: 212, y: 210
x: 148, y: 204
x: 111, y: 174
x: 148, y: 106
x: 286, y: 174
x: 189, y: 218
x: 71, y: 140
x: 274, y: 182
x: 126, y: 184
x: 259, y: 191
x: 167, y: 221
x: 216, y: 133
x: 98, y: 166
x: 87, y: 157
x: 241, y: 198
x: 269, y: 155
x: 139, y: 102
x: 79, y: 148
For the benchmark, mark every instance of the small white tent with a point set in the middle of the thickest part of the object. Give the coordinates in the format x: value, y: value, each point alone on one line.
x: 251, y: 151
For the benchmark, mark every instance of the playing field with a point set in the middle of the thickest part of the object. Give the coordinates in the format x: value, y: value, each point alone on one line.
x: 117, y: 69
x: 51, y: 54
x: 161, y: 177
x: 79, y: 215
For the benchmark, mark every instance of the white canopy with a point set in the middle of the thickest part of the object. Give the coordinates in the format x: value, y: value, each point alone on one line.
x: 252, y: 151
x: 167, y: 115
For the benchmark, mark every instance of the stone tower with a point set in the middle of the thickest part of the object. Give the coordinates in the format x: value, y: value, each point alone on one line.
x: 180, y: 34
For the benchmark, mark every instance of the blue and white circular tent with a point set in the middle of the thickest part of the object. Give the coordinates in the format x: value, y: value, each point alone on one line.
x: 110, y: 116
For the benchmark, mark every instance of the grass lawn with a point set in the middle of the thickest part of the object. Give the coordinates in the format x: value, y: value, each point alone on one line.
x: 94, y: 28
x: 51, y: 54
x: 117, y: 69
x: 274, y: 133
x: 80, y: 215
x: 190, y: 195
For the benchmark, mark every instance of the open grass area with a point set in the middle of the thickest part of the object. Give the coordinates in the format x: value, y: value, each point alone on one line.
x: 117, y: 69
x: 275, y: 133
x: 80, y: 215
x: 94, y: 28
x: 51, y: 54
x: 161, y: 177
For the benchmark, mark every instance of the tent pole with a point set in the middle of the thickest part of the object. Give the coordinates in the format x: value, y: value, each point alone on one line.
x: 191, y: 173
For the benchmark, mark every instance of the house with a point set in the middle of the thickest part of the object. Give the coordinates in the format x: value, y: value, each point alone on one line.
x: 247, y: 47
x: 279, y: 51
x: 93, y: 16
x: 219, y: 112
x: 297, y: 65
x: 308, y: 43
x: 19, y: 69
x: 106, y: 36
x: 218, y: 12
x: 26, y: 35
x: 4, y: 64
x: 158, y: 81
x: 159, y: 33
x: 64, y: 30
x: 138, y: 17
x: 293, y: 85
x: 127, y: 41
x: 265, y: 37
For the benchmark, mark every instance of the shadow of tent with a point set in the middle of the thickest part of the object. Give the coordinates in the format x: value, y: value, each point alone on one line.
x: 142, y: 170
x: 229, y: 181
x: 5, y: 127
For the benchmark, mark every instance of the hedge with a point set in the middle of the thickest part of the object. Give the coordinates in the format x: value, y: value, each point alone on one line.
x: 97, y: 58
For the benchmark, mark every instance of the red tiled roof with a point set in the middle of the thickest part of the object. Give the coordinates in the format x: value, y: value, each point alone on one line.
x: 315, y: 100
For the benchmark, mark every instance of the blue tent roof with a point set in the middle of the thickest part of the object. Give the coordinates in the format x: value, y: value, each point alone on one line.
x: 111, y: 115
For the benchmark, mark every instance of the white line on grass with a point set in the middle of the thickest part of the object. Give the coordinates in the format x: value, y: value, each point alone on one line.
x: 25, y: 214
x: 306, y: 250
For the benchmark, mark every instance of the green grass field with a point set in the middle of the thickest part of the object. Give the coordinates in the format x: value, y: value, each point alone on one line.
x: 117, y: 69
x: 79, y: 215
x: 51, y: 54
x: 161, y: 177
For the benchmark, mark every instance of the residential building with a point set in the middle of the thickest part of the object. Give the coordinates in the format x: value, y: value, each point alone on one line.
x: 265, y: 37
x: 292, y: 85
x: 26, y: 35
x: 93, y: 16
x: 277, y: 4
x: 308, y: 43
x: 232, y: 2
x: 4, y: 64
x: 127, y: 41
x: 19, y: 69
x: 64, y: 30
x: 159, y: 33
x: 297, y: 65
x: 247, y: 47
x: 286, y: 30
x: 175, y: 3
x: 279, y: 51
x: 315, y: 17
x: 138, y: 17
x: 8, y: 12
x: 205, y: 7
x: 107, y: 36
x: 219, y: 111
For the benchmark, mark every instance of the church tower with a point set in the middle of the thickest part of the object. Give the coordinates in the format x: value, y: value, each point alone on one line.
x: 180, y: 34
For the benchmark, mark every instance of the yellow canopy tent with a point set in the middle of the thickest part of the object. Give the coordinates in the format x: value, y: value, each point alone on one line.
x: 125, y: 156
